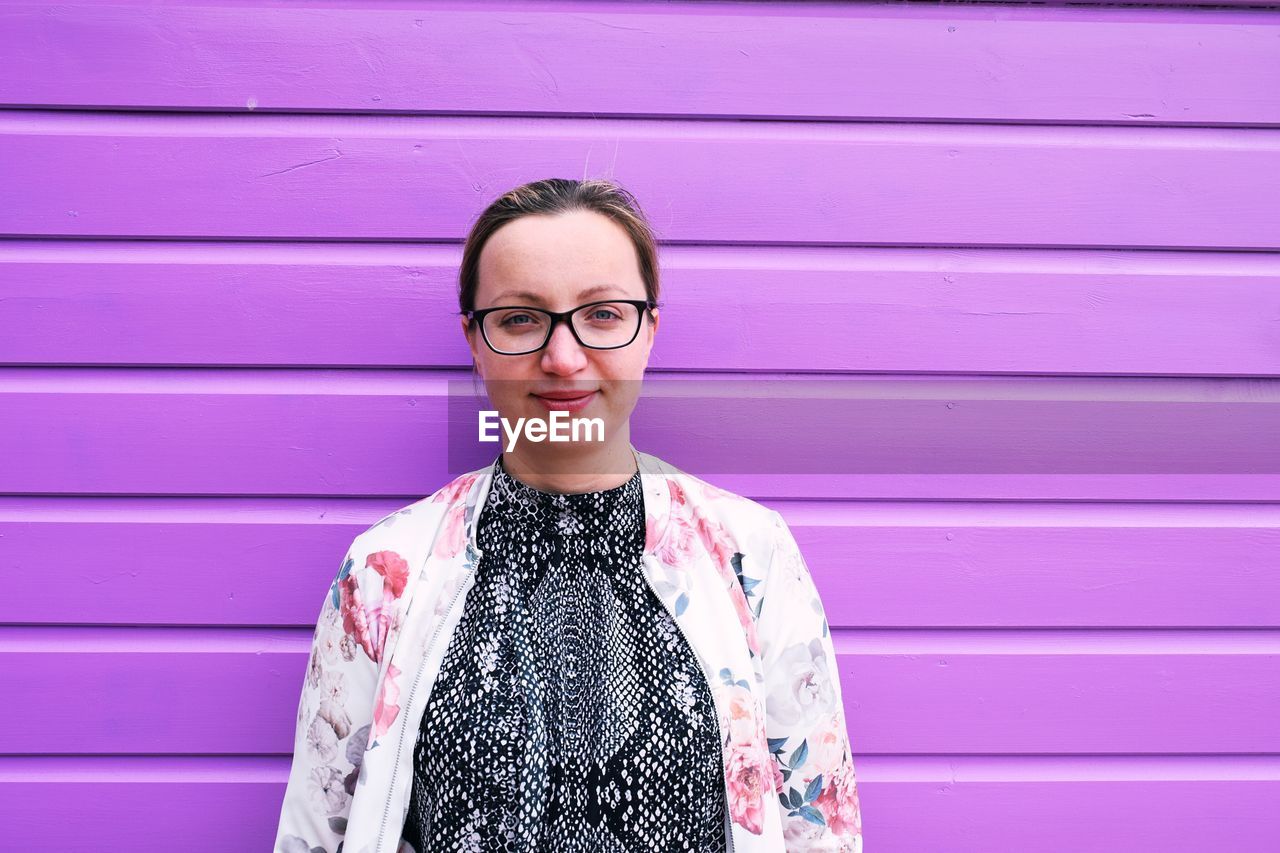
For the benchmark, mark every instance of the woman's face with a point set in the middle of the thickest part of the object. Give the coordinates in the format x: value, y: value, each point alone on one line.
x: 559, y: 263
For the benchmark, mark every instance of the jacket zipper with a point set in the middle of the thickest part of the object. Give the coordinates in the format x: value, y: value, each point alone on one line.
x: 715, y: 709
x: 413, y: 688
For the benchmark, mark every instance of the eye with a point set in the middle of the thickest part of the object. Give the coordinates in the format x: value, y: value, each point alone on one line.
x: 604, y: 313
x: 517, y: 319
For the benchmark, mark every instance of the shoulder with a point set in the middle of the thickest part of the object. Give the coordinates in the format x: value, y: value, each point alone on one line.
x: 404, y: 533
x: 710, y: 499
x: 450, y: 496
x: 751, y: 525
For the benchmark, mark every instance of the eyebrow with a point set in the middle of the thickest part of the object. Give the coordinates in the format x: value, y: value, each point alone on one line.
x: 533, y: 297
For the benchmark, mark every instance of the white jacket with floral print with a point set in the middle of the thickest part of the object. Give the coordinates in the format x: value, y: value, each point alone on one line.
x: 727, y: 568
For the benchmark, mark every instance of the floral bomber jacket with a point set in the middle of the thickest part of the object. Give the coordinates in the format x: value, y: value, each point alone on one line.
x: 727, y: 568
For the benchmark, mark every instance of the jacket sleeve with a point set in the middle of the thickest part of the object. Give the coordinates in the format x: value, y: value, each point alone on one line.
x: 804, y: 715
x: 333, y: 720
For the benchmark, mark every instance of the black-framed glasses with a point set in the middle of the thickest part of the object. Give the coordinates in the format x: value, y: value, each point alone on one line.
x: 520, y: 329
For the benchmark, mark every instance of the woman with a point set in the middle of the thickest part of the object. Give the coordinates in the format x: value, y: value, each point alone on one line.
x: 572, y: 648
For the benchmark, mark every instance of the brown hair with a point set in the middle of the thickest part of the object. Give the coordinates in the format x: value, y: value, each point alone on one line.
x: 560, y: 195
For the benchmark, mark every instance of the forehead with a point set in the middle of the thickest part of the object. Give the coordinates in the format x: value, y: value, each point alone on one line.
x: 559, y: 255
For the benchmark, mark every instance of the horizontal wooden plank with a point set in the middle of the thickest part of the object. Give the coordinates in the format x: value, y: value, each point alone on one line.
x: 909, y: 804
x: 197, y: 700
x: 374, y: 433
x: 244, y: 562
x: 1035, y: 803
x: 730, y: 60
x: 856, y: 309
x: 206, y: 691
x: 420, y: 178
x: 176, y: 562
x: 949, y: 813
x: 52, y: 808
x: 1064, y: 695
x: 1137, y: 568
x: 954, y: 487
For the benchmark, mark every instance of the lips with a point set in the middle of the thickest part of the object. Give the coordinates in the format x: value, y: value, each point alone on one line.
x: 565, y: 395
x: 566, y: 401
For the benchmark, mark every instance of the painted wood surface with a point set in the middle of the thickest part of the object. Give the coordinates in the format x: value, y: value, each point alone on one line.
x: 1026, y: 258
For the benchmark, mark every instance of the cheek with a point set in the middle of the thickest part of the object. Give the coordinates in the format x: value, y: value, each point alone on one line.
x: 506, y: 384
x: 625, y: 365
x: 502, y: 368
x: 624, y: 383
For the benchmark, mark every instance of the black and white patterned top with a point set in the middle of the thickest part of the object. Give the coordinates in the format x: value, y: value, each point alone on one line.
x: 569, y: 713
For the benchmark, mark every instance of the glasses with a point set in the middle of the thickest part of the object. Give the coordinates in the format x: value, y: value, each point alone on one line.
x: 519, y: 330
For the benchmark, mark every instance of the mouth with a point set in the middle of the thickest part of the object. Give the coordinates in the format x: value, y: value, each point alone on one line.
x: 565, y: 401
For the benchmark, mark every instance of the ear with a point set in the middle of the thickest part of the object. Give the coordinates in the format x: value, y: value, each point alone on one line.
x: 468, y: 332
x: 653, y: 332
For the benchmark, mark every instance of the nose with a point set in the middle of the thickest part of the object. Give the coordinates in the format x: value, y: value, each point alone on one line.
x: 563, y: 354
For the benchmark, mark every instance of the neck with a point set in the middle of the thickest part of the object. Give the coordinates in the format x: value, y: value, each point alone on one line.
x: 584, y: 467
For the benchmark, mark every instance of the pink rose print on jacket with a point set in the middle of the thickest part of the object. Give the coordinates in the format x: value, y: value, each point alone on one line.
x: 677, y: 547
x: 749, y: 775
x: 685, y: 529
x: 456, y: 491
x: 827, y: 746
x: 718, y: 544
x: 394, y: 570
x: 370, y: 627
x: 839, y: 801
x: 650, y: 532
x: 712, y: 535
x: 452, y: 535
x: 746, y: 787
x: 385, y: 710
x: 778, y: 778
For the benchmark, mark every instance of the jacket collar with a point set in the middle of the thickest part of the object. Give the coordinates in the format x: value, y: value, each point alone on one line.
x: 653, y: 480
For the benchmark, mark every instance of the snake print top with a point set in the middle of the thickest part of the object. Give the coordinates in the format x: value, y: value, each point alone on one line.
x: 570, y: 713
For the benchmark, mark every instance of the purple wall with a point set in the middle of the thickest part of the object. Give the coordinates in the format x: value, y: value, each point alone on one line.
x: 1038, y: 240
